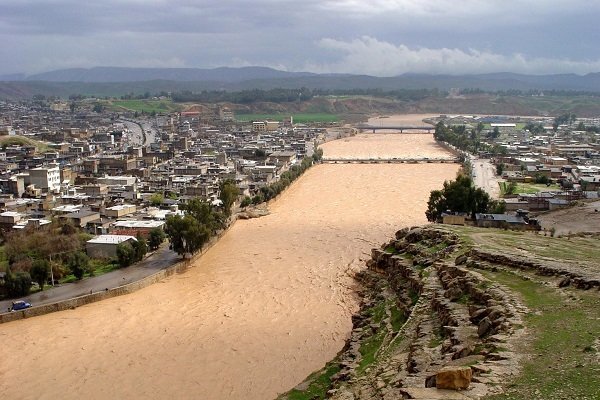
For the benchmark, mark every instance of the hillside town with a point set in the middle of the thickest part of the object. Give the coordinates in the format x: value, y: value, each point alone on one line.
x: 539, y: 164
x: 117, y: 175
x: 103, y: 171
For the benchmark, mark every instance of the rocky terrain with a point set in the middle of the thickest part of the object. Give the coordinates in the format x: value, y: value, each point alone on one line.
x: 445, y: 317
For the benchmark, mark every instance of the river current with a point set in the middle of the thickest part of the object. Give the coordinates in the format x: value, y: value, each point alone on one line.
x: 267, y: 305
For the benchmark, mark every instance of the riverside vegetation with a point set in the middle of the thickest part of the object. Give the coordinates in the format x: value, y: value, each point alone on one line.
x: 189, y: 233
x: 443, y: 299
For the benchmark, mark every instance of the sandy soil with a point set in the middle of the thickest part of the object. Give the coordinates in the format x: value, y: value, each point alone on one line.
x: 267, y: 305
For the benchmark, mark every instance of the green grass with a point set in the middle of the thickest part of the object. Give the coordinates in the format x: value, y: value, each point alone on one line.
x: 147, y: 106
x: 98, y: 267
x: 377, y: 312
x: 529, y: 188
x: 23, y: 141
x: 390, y: 249
x: 575, y: 248
x: 369, y: 349
x: 298, y: 118
x: 397, y: 318
x: 563, y: 362
x: 319, y: 383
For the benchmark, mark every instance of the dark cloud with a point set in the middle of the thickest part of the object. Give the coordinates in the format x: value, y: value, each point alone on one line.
x: 520, y: 35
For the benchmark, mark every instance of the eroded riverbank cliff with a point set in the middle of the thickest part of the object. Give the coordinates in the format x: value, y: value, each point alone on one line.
x: 433, y: 325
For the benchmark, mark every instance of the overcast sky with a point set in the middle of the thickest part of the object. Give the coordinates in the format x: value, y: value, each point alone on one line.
x: 375, y: 37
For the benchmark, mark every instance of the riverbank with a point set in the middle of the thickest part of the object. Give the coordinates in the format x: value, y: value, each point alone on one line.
x: 271, y: 302
x: 440, y: 311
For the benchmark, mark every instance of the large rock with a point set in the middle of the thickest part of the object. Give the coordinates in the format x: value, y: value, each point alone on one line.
x: 454, y: 378
x: 462, y: 259
x: 431, y: 394
x: 485, y: 326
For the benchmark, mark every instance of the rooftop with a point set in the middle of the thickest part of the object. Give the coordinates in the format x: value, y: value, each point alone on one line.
x: 110, y: 239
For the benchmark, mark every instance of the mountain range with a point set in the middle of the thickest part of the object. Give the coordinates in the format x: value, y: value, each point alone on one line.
x: 116, y: 81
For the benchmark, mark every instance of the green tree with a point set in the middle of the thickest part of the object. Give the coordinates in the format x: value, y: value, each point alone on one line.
x: 40, y: 272
x: 187, y: 234
x: 541, y: 179
x: 18, y: 284
x: 511, y: 188
x: 479, y: 127
x: 500, y: 169
x: 246, y: 202
x: 228, y: 195
x: 79, y: 264
x: 125, y: 255
x: 204, y: 213
x: 317, y: 155
x: 157, y: 199
x: 155, y: 238
x: 140, y: 248
x: 457, y: 196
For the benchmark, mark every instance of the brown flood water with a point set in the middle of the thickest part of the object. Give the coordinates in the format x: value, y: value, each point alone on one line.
x: 266, y: 306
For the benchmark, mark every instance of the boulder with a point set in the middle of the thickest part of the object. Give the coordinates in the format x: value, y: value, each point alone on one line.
x: 430, y: 381
x: 566, y: 281
x: 431, y: 394
x: 478, y: 315
x: 453, y: 378
x: 461, y: 259
x: 485, y: 327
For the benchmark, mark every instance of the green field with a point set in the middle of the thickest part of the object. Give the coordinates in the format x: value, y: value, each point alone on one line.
x: 298, y: 118
x: 147, y: 106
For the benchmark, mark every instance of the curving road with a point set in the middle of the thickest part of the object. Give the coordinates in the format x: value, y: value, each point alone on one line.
x: 161, y: 259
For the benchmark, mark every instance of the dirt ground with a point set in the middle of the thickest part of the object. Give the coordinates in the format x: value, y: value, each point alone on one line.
x: 584, y: 217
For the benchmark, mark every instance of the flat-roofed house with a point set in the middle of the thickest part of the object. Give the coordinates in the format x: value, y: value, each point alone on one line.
x: 105, y: 246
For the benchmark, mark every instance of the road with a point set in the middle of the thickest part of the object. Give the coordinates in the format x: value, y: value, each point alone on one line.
x: 142, y: 131
x: 484, y: 176
x: 161, y: 259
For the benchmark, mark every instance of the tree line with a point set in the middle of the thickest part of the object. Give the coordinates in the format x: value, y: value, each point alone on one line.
x: 271, y: 191
x: 469, y: 140
x: 201, y: 221
x: 460, y: 196
x: 290, y: 95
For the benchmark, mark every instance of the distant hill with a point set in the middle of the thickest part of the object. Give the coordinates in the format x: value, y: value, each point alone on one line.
x: 117, y: 81
x: 120, y: 74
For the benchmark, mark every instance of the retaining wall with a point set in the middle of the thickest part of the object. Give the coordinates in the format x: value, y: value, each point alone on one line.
x: 69, y: 304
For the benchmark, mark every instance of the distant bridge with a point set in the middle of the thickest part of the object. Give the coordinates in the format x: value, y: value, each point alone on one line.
x: 414, y: 160
x: 401, y: 128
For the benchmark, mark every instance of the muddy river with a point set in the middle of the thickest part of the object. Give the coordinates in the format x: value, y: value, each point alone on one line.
x: 267, y: 305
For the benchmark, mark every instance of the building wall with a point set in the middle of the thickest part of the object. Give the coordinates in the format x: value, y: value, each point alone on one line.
x: 45, y: 178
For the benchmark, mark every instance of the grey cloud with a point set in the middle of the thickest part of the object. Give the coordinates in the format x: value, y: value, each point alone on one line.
x: 42, y: 34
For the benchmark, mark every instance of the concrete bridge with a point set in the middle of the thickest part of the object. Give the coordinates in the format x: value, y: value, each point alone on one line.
x: 400, y: 128
x: 414, y: 160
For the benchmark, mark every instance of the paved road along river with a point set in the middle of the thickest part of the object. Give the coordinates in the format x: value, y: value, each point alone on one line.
x: 263, y: 308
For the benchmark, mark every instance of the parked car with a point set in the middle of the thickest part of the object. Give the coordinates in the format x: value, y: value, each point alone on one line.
x: 19, y: 305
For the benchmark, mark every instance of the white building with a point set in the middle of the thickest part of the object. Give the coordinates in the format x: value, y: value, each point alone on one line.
x: 105, y: 246
x: 47, y: 178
